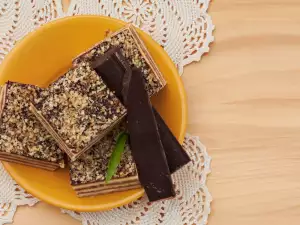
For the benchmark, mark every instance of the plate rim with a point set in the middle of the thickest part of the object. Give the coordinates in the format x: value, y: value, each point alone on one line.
x: 182, y: 94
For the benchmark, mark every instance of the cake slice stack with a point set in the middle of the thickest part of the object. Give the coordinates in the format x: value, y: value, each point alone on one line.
x: 80, y: 113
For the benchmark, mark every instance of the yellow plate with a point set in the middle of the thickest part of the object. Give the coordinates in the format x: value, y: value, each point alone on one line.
x: 44, y: 55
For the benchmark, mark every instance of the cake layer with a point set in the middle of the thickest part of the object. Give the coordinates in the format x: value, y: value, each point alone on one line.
x: 28, y: 161
x: 108, y: 190
x: 116, y: 185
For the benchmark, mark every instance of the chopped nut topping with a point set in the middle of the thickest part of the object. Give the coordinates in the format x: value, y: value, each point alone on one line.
x: 79, y: 107
x: 130, y: 49
x: 92, y: 165
x: 20, y: 132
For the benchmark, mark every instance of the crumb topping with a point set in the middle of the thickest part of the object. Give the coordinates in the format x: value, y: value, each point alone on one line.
x: 131, y: 51
x: 92, y: 165
x: 20, y: 132
x: 79, y: 106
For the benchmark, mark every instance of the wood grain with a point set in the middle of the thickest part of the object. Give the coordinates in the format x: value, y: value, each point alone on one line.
x: 244, y: 103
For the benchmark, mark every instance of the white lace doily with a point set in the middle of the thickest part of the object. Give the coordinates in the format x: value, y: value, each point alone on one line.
x: 184, y: 29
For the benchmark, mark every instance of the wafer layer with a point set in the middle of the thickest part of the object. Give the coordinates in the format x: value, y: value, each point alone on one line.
x: 28, y: 161
x: 116, y: 185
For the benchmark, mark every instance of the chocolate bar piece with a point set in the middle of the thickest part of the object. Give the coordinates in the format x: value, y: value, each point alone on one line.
x: 135, y: 52
x: 23, y: 139
x: 112, y: 67
x: 176, y: 155
x: 147, y: 149
x: 88, y: 172
x: 78, y: 110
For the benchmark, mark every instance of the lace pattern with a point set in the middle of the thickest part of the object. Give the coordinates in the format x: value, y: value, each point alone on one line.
x: 11, y: 196
x: 184, y: 29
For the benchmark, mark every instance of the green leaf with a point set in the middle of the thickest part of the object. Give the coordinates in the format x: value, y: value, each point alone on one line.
x: 116, y: 155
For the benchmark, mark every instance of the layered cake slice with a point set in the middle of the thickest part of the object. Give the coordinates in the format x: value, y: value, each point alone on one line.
x: 23, y: 139
x: 134, y: 51
x: 88, y: 173
x: 78, y: 110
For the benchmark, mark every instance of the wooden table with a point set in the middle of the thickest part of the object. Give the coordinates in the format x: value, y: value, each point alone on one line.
x: 244, y: 103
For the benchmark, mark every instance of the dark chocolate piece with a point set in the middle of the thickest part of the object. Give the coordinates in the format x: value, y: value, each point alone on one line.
x: 147, y: 149
x: 112, y: 67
